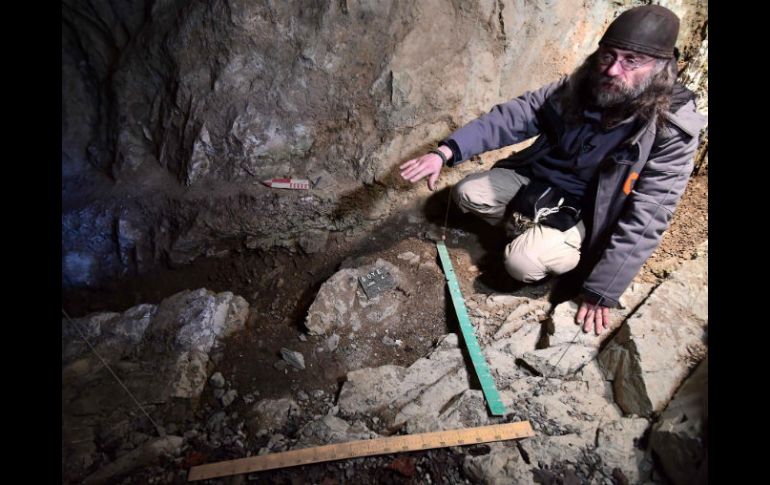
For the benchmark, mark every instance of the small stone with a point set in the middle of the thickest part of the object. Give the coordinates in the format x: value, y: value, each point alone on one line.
x: 332, y: 342
x: 302, y: 396
x: 216, y: 420
x: 294, y: 358
x: 409, y: 257
x: 318, y: 394
x: 428, y: 266
x: 229, y: 397
x: 217, y: 380
x: 277, y: 442
x: 302, y: 337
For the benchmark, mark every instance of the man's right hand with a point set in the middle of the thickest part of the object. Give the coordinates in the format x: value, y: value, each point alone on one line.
x: 428, y: 165
x: 591, y: 316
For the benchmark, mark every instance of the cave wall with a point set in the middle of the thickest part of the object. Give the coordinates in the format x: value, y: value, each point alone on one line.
x: 174, y: 110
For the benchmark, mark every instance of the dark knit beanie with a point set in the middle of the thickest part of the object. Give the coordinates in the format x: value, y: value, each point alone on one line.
x: 650, y: 29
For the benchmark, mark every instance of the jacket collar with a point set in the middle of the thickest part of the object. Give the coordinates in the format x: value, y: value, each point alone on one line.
x: 687, y: 119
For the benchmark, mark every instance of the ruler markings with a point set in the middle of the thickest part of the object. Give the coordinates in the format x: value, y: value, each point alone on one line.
x: 355, y: 449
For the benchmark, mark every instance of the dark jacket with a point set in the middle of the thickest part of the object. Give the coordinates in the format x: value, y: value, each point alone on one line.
x: 638, y: 187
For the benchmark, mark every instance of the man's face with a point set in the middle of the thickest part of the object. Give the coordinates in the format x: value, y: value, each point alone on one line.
x: 621, y: 75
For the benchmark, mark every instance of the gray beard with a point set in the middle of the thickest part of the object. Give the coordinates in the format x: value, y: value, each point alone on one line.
x: 605, y: 98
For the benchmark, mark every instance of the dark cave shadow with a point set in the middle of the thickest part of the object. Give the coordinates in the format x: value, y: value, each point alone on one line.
x: 362, y: 199
x: 568, y: 286
x: 492, y: 241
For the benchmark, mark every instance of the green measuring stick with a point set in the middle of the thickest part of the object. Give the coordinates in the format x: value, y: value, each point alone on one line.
x: 479, y: 363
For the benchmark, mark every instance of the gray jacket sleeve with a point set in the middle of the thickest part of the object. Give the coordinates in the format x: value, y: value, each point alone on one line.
x: 506, y: 124
x: 648, y: 213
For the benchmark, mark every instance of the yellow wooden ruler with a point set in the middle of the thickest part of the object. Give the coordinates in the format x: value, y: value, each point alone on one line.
x: 355, y: 449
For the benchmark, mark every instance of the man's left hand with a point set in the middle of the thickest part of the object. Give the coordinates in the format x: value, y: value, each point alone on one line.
x: 592, y: 316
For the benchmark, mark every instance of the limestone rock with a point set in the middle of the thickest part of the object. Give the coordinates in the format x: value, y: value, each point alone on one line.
x: 272, y: 414
x: 341, y: 304
x: 678, y: 436
x: 657, y: 347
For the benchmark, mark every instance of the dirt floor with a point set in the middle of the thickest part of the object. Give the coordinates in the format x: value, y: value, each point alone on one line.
x: 688, y: 229
x: 280, y: 286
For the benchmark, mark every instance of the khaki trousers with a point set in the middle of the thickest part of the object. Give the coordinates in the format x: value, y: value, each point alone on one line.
x: 535, y: 253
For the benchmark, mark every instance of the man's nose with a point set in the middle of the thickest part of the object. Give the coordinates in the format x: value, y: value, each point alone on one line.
x: 614, y: 69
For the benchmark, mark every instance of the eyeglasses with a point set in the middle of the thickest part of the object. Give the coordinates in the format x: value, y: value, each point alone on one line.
x: 627, y: 63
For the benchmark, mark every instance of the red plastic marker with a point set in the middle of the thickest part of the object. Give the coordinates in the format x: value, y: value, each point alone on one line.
x: 300, y: 184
